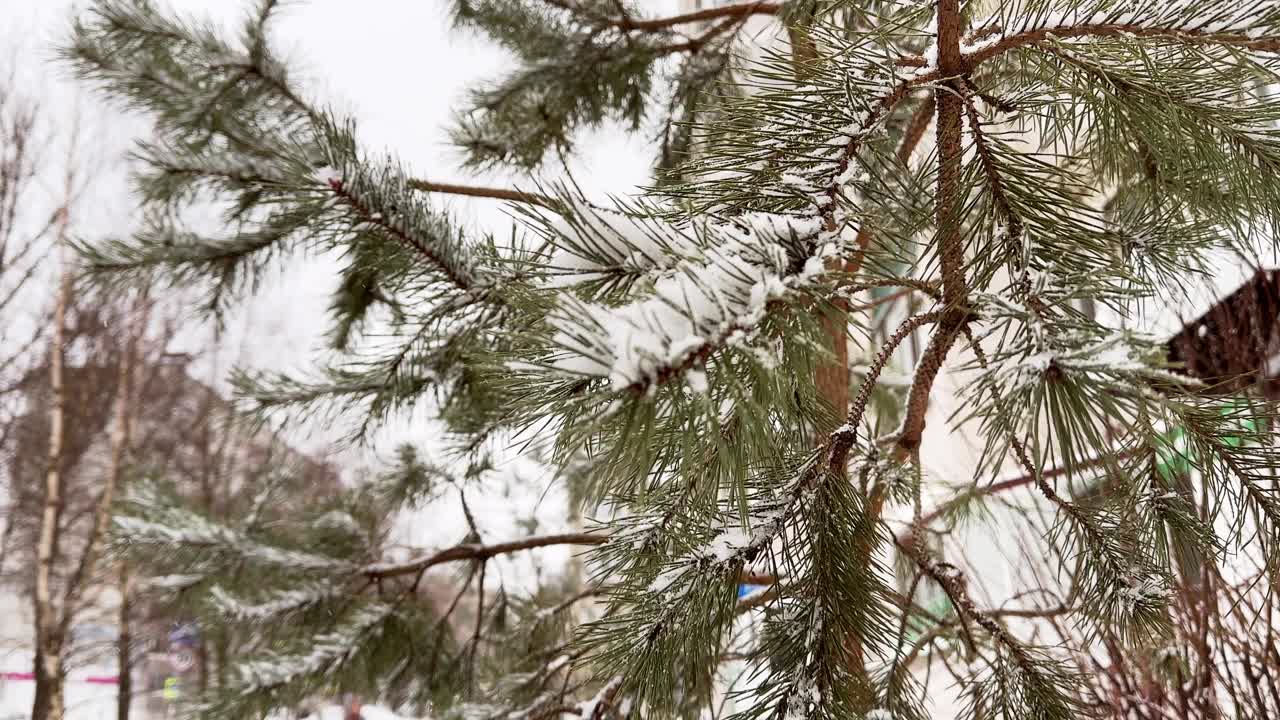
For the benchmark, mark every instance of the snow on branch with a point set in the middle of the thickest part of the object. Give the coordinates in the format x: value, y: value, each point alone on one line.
x: 276, y: 605
x: 599, y: 705
x: 699, y: 307
x: 196, y: 533
x: 737, y: 543
x: 1119, y: 355
x: 329, y: 653
x: 594, y: 243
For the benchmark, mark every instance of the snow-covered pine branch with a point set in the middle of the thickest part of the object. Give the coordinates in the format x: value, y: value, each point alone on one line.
x: 190, y: 533
x: 716, y: 298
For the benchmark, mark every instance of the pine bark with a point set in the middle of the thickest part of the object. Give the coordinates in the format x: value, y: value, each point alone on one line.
x: 831, y: 377
x: 950, y: 244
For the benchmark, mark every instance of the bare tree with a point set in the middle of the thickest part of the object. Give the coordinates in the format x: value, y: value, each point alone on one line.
x: 54, y: 527
x: 79, y: 491
x: 24, y: 247
x: 48, y: 642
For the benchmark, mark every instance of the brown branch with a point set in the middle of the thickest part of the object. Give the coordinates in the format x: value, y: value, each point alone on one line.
x: 952, y: 582
x: 479, y: 552
x: 730, y: 16
x: 738, y: 11
x: 915, y: 130
x: 859, y: 407
x: 627, y: 23
x: 482, y: 192
x: 1035, y: 37
x: 950, y: 206
x: 1023, y: 480
x: 693, y: 45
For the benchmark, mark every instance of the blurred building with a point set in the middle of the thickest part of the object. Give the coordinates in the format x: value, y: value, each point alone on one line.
x: 185, y: 432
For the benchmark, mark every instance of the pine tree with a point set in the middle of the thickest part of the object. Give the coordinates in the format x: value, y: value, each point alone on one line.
x: 1035, y: 174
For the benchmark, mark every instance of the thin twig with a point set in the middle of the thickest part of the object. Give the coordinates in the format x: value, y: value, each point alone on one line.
x: 627, y: 23
x: 480, y: 552
x: 482, y: 192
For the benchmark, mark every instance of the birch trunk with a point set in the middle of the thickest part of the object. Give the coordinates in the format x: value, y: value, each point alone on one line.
x: 49, y: 675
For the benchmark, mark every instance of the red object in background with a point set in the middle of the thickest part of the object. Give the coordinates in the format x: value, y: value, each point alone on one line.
x: 92, y: 679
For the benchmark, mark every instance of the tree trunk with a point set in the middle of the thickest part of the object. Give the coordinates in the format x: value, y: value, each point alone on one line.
x: 831, y: 377
x: 50, y: 678
x: 48, y: 638
x: 124, y: 650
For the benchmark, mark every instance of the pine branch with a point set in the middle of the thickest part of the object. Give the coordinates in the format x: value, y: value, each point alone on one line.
x: 995, y: 183
x: 880, y: 109
x: 920, y: 121
x: 950, y: 244
x: 432, y: 255
x: 663, y: 351
x: 483, y: 192
x: 859, y: 405
x: 1056, y: 703
x: 1031, y: 38
x: 478, y: 552
x: 628, y: 23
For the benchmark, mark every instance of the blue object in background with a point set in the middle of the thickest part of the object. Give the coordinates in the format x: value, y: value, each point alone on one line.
x: 184, y: 635
x: 745, y: 590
